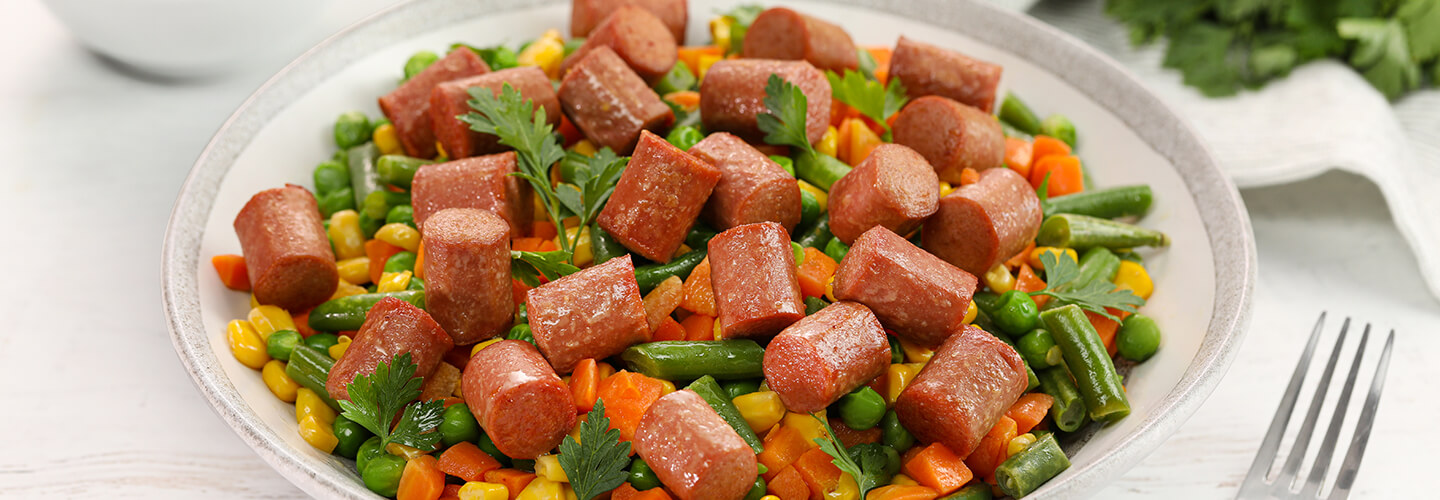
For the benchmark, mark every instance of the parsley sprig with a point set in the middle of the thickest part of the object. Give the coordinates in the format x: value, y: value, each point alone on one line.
x: 1060, y: 275
x: 596, y: 464
x: 376, y: 398
x: 784, y: 124
x: 869, y: 97
x: 518, y: 124
x: 594, y: 181
x: 869, y: 472
x: 529, y: 266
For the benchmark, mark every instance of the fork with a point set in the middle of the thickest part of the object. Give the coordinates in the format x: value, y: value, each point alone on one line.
x: 1259, y: 483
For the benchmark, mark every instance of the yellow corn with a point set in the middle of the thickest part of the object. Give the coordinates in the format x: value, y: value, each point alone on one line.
x: 807, y: 425
x: 971, y: 312
x: 1133, y: 277
x: 946, y: 188
x: 440, y: 154
x: 762, y: 410
x: 705, y: 62
x: 545, y: 52
x: 720, y: 32
x: 279, y: 383
x: 896, y: 379
x: 386, y: 140
x: 537, y: 208
x: 400, y: 235
x: 915, y: 353
x: 246, y: 344
x: 355, y: 271
x: 476, y: 490
x: 542, y: 489
x: 569, y: 492
x: 1034, y: 258
x: 845, y: 489
x: 338, y: 350
x: 999, y: 279
x: 903, y: 480
x: 583, y: 254
x: 270, y: 319
x: 345, y: 234
x: 1019, y: 443
x: 548, y: 467
x: 483, y: 345
x: 575, y: 431
x: 828, y: 142
x: 820, y: 195
x: 318, y: 434
x: 830, y: 289
x: 308, y: 404
x: 667, y: 387
x: 680, y: 250
x: 393, y: 282
x: 769, y: 497
x: 254, y: 303
x: 401, y: 450
x: 605, y: 370
x: 346, y: 289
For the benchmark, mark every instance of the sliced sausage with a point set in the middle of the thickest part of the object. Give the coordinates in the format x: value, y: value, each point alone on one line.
x: 595, y: 313
x: 479, y: 182
x: 638, y: 37
x: 585, y: 15
x: 408, y: 106
x: 392, y: 327
x: 920, y: 297
x: 733, y: 93
x: 951, y: 136
x: 752, y: 187
x: 984, y: 223
x: 658, y: 198
x: 967, y: 385
x: 609, y: 102
x: 894, y: 188
x: 752, y: 271
x: 518, y: 399
x: 693, y: 451
x: 929, y: 70
x: 287, y: 254
x: 781, y: 33
x: 825, y: 356
x: 451, y: 99
x: 467, y: 273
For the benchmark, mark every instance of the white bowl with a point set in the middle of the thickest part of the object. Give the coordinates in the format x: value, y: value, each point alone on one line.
x: 1127, y: 135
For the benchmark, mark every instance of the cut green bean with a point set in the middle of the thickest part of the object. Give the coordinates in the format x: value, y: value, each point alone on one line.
x: 809, y: 208
x: 348, y: 313
x: 684, y: 137
x: 521, y: 332
x: 1137, y: 340
x: 1080, y: 231
x: 700, y: 235
x: 785, y: 163
x: 820, y: 169
x: 399, y: 170
x: 1068, y: 409
x: 1024, y: 472
x: 897, y: 352
x: 1059, y: 127
x: 689, y: 360
x: 1089, y: 363
x: 710, y: 391
x: 814, y: 305
x: 310, y: 368
x: 1015, y: 113
x: 979, y: 491
x: 364, y: 175
x: 1109, y: 203
x: 818, y: 235
x: 649, y: 276
x: 603, y: 246
x: 678, y: 79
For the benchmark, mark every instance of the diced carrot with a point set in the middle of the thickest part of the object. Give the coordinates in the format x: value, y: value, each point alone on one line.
x: 969, y: 176
x: 699, y: 297
x: 1066, y: 175
x: 690, y: 55
x: 543, y: 229
x: 910, y: 453
x: 302, y: 324
x: 783, y: 446
x: 624, y: 492
x: 467, y: 461
x: 451, y: 401
x: 862, y: 141
x: 788, y: 485
x: 571, y: 133
x: 1106, y: 328
x: 1017, y: 155
x: 584, y: 382
x: 939, y: 468
x: 1019, y: 258
x: 513, y: 479
x: 685, y: 99
x: 1028, y: 282
x: 842, y: 141
x: 1045, y: 145
x: 527, y: 244
x: 548, y: 245
x: 698, y: 327
x: 232, y: 271
x: 819, y: 473
x: 839, y: 111
x: 518, y: 291
x: 1029, y: 411
x: 420, y: 260
x: 902, y: 492
x: 662, y: 301
x: 421, y: 480
x: 669, y: 330
x: 627, y: 395
x: 881, y: 54
x: 991, y: 451
x: 652, y: 494
x: 378, y: 252
x: 851, y: 437
x: 452, y: 492
x: 814, y: 272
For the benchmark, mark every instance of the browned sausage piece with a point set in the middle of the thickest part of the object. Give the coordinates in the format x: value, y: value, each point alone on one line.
x: 467, y: 273
x: 984, y: 223
x: 585, y: 15
x: 693, y: 451
x: 781, y: 33
x: 752, y: 187
x: 610, y: 103
x: 408, y: 106
x: 520, y: 402
x: 287, y: 254
x: 657, y: 198
x: 951, y: 136
x: 922, y: 298
x: 595, y: 313
x: 825, y: 356
x: 392, y: 327
x: 733, y: 93
x: 451, y: 99
x: 752, y: 269
x: 964, y: 389
x: 478, y: 182
x: 894, y: 188
x: 638, y: 37
x: 929, y: 70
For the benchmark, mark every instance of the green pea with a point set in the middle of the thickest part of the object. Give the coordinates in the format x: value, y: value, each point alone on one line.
x: 574, y: 44
x: 403, y: 214
x: 322, y: 341
x: 785, y: 163
x: 331, y: 175
x: 524, y: 464
x: 416, y: 283
x: 837, y: 249
x: 799, y: 252
x: 281, y: 343
x: 1059, y: 127
x: 368, y: 450
x: 335, y: 201
x: 1138, y: 338
x: 684, y: 137
x: 458, y: 424
x: 352, y: 129
x: 1016, y: 313
x: 382, y: 474
x: 736, y: 388
x: 369, y: 225
x: 419, y: 62
x: 1039, y: 349
x: 352, y: 436
x: 897, y: 353
x: 862, y: 409
x: 895, y: 435
x: 402, y: 261
x: 521, y: 332
x: 487, y: 445
x: 814, y: 305
x: 641, y: 476
x: 757, y: 491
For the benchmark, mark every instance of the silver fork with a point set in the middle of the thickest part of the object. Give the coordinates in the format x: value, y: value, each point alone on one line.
x: 1259, y: 483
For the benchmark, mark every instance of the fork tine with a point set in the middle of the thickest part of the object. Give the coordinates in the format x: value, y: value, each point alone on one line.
x: 1327, y: 446
x: 1265, y: 456
x: 1285, y: 481
x: 1346, y: 477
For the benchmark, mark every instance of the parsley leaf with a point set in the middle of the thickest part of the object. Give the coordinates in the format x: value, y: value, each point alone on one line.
x: 376, y: 398
x: 518, y: 124
x: 784, y: 124
x: 1421, y: 19
x: 1095, y: 296
x: 867, y: 96
x: 869, y: 474
x: 597, y: 463
x: 1382, y: 53
x: 529, y: 266
x: 594, y: 181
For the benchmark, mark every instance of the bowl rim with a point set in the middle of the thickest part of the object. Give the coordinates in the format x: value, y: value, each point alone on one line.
x: 1089, y: 71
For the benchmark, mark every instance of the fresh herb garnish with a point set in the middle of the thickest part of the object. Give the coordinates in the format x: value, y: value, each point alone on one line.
x: 596, y: 464
x: 376, y: 398
x: 869, y: 473
x: 594, y: 181
x: 869, y: 97
x: 1095, y: 296
x: 529, y: 266
x: 784, y: 123
x: 518, y: 124
x: 740, y: 18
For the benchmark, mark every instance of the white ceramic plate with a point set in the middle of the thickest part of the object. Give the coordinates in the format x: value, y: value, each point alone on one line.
x: 1127, y: 136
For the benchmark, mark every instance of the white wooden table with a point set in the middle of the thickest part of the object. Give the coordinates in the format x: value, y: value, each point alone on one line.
x: 93, y: 401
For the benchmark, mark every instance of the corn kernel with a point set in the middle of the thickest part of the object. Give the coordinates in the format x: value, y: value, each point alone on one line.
x: 346, y: 289
x: 769, y: 497
x: 338, y: 350
x: 705, y: 62
x: 845, y: 489
x: 254, y: 303
x: 903, y: 480
x: 545, y: 52
x: 270, y: 319
x: 393, y: 282
x: 1019, y: 443
x: 583, y: 255
x: 280, y: 384
x: 830, y: 289
x: 246, y: 344
x: 476, y: 490
x: 346, y: 236
x: 810, y: 428
x: 971, y: 312
x: 318, y: 434
x: 542, y: 489
x: 308, y: 404
x: 355, y: 271
x: 482, y: 345
x: 820, y: 195
x: 584, y: 147
x: 999, y: 279
x: 548, y: 467
x: 897, y: 378
x: 1034, y: 258
x: 569, y: 492
x: 401, y: 450
x: 720, y: 32
x: 538, y: 208
x: 400, y: 235
x: 575, y: 431
x: 828, y: 142
x: 915, y: 353
x: 946, y: 188
x: 1133, y: 277
x: 761, y: 410
x: 667, y: 387
x: 681, y: 250
x: 605, y: 370
x: 387, y: 140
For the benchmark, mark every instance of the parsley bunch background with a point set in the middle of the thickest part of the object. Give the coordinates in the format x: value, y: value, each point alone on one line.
x: 1222, y: 46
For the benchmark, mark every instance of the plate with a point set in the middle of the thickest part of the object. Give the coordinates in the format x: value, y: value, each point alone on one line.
x: 1204, y: 279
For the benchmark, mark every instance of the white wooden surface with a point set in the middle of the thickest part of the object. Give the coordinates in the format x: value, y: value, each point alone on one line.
x: 94, y: 403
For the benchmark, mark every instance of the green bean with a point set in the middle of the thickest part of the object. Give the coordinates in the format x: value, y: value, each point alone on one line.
x: 368, y: 450
x: 459, y: 425
x: 352, y: 129
x: 378, y: 204
x: 785, y: 163
x: 814, y: 305
x: 1079, y: 231
x: 1032, y: 380
x: 897, y: 353
x: 364, y: 175
x: 1039, y: 349
x: 1015, y: 113
x: 335, y: 201
x: 986, y: 302
x: 862, y: 409
x: 382, y: 474
x: 684, y: 137
x: 799, y: 252
x: 678, y: 79
x: 1137, y: 340
x: 809, y: 208
x: 521, y: 332
x: 837, y: 249
x: 641, y: 476
x: 350, y: 435
x: 322, y: 342
x: 525, y: 464
x: 741, y: 387
x: 689, y: 360
x: 700, y: 235
x: 574, y: 44
x: 1089, y: 363
x: 310, y: 368
x: 1096, y: 264
x: 348, y: 313
x: 818, y: 235
x: 979, y: 491
x: 757, y: 490
x: 820, y: 169
x: 418, y: 62
x: 650, y: 275
x: 1016, y: 313
x: 1024, y: 472
x: 399, y: 170
x: 282, y: 343
x: 710, y: 391
x: 603, y: 246
x: 1131, y: 256
x: 1059, y: 127
x: 1106, y: 203
x: 1067, y: 410
x: 487, y: 445
x: 867, y: 63
x: 893, y: 434
x: 329, y: 176
x: 402, y: 214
